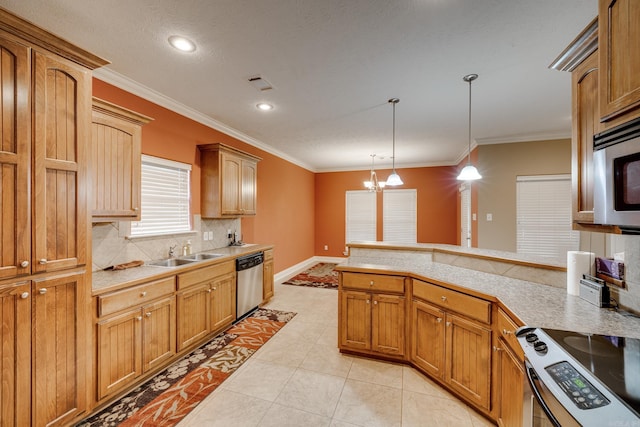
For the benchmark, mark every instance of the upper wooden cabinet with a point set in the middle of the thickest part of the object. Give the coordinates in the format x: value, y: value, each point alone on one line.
x: 228, y: 181
x: 618, y: 41
x: 115, y: 162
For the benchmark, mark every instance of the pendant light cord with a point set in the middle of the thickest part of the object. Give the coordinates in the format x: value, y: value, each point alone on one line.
x: 394, y: 138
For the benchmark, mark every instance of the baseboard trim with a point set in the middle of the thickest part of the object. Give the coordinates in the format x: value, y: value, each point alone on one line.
x: 302, y: 266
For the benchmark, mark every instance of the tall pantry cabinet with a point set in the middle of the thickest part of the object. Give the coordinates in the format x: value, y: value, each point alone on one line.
x: 45, y: 110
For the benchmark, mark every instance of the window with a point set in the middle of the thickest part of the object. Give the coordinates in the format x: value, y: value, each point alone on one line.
x: 361, y: 216
x: 166, y: 195
x: 399, y: 217
x: 544, y: 216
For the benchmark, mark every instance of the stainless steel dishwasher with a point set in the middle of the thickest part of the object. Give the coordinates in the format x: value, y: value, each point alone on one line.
x: 249, y: 283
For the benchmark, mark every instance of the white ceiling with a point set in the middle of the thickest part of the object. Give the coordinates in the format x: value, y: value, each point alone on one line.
x: 334, y: 64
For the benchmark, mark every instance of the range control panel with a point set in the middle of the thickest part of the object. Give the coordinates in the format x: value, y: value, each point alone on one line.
x: 576, y: 386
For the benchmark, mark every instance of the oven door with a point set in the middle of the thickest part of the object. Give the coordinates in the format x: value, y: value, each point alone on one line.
x: 544, y: 408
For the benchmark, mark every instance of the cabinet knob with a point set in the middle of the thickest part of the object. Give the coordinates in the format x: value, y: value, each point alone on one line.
x: 209, y: 290
x: 375, y: 303
x: 368, y: 301
x: 214, y: 288
x: 443, y: 298
x: 43, y: 261
x: 439, y: 320
x: 371, y: 283
x: 42, y: 291
x: 506, y: 332
x: 135, y: 209
x: 148, y: 314
x: 24, y: 295
x: 138, y: 317
x: 24, y: 264
x: 448, y: 323
x: 496, y: 349
x: 143, y: 294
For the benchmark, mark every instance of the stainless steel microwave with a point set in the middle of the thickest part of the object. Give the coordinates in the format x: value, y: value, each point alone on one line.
x: 616, y: 156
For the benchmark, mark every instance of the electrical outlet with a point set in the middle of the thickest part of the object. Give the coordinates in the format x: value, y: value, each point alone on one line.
x: 326, y: 247
x: 205, y: 235
x: 210, y: 235
x: 489, y: 217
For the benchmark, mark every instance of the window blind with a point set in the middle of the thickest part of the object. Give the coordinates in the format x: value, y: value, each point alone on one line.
x: 361, y: 215
x: 399, y: 216
x: 165, y: 195
x: 544, y: 216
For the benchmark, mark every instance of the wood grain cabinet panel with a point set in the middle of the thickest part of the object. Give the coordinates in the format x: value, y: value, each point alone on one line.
x: 618, y: 41
x: 510, y: 389
x: 116, y: 137
x: 194, y: 315
x: 355, y: 323
x: 428, y: 338
x: 223, y: 302
x: 158, y: 333
x: 267, y: 276
x: 228, y: 181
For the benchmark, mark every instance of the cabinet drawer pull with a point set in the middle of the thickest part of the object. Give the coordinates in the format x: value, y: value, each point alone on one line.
x: 24, y: 264
x: 43, y: 261
x: 148, y: 314
x: 506, y: 332
x: 496, y: 349
x: 371, y: 283
x: 24, y: 295
x: 143, y: 294
x: 443, y: 298
x: 42, y: 291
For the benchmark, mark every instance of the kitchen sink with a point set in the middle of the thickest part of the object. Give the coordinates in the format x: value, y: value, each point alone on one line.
x: 201, y: 257
x: 172, y: 262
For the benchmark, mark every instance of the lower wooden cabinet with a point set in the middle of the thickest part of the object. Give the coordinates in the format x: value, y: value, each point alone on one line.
x: 136, y: 333
x: 510, y: 389
x: 267, y: 276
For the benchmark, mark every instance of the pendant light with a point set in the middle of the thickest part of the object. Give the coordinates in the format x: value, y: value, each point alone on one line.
x: 373, y: 185
x: 469, y: 172
x: 394, y: 178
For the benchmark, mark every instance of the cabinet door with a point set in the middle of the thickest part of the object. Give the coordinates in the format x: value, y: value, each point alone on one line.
x: 15, y: 160
x: 223, y: 302
x: 119, y: 351
x: 115, y: 162
x: 158, y: 332
x: 62, y: 114
x: 248, y: 189
x: 194, y: 314
x: 59, y: 349
x: 618, y: 41
x: 468, y: 361
x: 586, y: 123
x: 387, y: 321
x: 511, y: 386
x: 267, y: 277
x: 230, y: 182
x: 428, y: 341
x: 355, y: 325
x: 15, y: 354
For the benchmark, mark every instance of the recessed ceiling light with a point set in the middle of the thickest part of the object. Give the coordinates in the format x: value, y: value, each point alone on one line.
x: 182, y: 43
x: 264, y: 106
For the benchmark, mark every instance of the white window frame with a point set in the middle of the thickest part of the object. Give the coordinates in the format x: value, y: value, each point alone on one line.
x: 543, y: 214
x: 465, y: 215
x: 165, y: 198
x: 360, y: 216
x: 400, y: 215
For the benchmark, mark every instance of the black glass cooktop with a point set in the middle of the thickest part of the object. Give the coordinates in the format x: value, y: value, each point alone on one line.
x: 615, y: 361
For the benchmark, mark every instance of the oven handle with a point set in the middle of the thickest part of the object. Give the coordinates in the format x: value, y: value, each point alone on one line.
x: 533, y: 377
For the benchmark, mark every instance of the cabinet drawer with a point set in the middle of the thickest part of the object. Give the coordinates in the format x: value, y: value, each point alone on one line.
x: 507, y: 330
x: 203, y: 274
x: 268, y: 254
x: 137, y: 295
x: 467, y: 305
x: 373, y: 282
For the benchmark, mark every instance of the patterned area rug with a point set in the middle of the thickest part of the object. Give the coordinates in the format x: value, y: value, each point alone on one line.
x: 320, y: 275
x: 168, y: 397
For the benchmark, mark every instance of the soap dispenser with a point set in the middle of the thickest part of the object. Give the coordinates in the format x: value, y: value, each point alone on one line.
x: 187, y: 248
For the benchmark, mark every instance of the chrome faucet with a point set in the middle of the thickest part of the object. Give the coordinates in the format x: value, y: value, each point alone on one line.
x: 172, y: 251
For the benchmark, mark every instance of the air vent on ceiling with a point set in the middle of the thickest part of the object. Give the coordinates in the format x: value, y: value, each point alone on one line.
x: 260, y: 83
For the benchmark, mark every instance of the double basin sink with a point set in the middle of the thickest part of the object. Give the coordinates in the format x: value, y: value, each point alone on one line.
x: 176, y: 262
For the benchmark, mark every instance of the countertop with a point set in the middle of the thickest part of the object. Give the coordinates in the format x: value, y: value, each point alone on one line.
x: 533, y: 303
x: 108, y: 281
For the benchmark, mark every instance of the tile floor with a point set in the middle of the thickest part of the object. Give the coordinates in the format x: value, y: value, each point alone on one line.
x: 298, y: 378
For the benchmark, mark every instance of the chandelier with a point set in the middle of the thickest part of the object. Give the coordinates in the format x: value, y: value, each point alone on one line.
x: 373, y: 184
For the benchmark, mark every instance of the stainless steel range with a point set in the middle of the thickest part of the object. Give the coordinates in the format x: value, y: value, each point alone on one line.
x: 583, y: 380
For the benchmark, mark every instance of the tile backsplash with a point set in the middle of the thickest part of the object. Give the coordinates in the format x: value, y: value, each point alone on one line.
x: 111, y: 247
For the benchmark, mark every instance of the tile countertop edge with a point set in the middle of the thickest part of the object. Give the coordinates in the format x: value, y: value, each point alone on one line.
x: 109, y: 281
x: 532, y: 303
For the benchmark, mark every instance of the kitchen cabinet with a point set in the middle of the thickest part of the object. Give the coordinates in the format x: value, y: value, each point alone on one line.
x: 46, y: 85
x: 136, y: 333
x: 228, y: 181
x: 619, y: 58
x: 451, y: 340
x: 116, y: 135
x: 509, y: 367
x: 206, y: 302
x: 372, y: 313
x: 267, y: 276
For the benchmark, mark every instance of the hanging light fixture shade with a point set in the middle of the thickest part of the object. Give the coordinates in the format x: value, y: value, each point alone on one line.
x: 469, y: 172
x: 394, y: 178
x: 373, y: 184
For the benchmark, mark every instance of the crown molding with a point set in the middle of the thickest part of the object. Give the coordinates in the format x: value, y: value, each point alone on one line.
x: 131, y: 86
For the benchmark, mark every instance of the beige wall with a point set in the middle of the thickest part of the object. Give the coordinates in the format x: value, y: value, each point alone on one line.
x: 499, y: 165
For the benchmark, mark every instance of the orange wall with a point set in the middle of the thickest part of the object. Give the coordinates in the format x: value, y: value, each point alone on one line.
x: 437, y: 205
x: 285, y: 201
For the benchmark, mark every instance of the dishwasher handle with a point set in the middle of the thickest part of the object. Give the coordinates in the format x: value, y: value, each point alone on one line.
x: 249, y: 261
